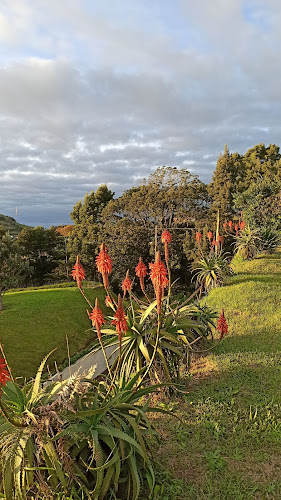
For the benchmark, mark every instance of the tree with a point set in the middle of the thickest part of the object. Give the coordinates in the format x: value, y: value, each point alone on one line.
x: 43, y: 248
x: 228, y: 179
x: 13, y: 268
x: 169, y: 198
x: 261, y: 203
x: 84, y: 238
x: 93, y: 205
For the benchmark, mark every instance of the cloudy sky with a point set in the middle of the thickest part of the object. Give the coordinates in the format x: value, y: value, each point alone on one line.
x: 104, y: 91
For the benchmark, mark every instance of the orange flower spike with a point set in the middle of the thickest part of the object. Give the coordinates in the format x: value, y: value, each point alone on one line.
x: 209, y: 236
x: 119, y: 319
x: 126, y: 284
x: 236, y: 229
x: 158, y: 276
x: 141, y: 273
x: 222, y: 325
x: 225, y: 225
x: 104, y: 264
x: 78, y: 272
x: 198, y: 237
x: 215, y: 243
x: 242, y: 225
x: 97, y: 318
x: 166, y: 238
x: 4, y: 374
x: 230, y: 223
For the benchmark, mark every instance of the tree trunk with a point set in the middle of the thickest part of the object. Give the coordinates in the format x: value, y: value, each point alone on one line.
x: 1, y: 303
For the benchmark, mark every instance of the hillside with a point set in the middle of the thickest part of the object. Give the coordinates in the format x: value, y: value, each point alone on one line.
x: 34, y: 322
x: 10, y: 224
x: 228, y: 445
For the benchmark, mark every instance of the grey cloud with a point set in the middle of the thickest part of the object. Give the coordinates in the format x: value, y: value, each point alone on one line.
x: 106, y: 95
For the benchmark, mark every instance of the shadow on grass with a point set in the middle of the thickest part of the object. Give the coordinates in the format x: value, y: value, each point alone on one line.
x: 266, y: 278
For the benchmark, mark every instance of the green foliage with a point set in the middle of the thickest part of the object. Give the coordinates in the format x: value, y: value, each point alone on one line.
x: 261, y: 203
x: 93, y: 205
x: 237, y: 174
x: 170, y: 198
x: 74, y: 436
x: 43, y: 249
x: 13, y: 268
x: 210, y: 271
x: 228, y: 178
x: 247, y: 243
x: 164, y: 347
x: 270, y: 239
x: 84, y: 239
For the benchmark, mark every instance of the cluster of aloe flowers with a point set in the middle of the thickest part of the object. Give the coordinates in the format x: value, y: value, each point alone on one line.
x: 158, y: 275
x: 215, y: 239
x: 124, y: 317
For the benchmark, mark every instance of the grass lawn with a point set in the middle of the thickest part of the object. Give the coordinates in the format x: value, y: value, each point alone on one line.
x: 228, y: 445
x: 34, y: 322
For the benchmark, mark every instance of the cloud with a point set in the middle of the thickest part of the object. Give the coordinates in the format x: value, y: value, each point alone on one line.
x: 102, y: 92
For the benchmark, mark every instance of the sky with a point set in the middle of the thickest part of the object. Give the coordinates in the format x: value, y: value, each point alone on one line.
x: 103, y: 92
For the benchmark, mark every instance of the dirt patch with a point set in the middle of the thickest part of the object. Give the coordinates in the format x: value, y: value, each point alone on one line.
x: 258, y: 472
x: 180, y: 464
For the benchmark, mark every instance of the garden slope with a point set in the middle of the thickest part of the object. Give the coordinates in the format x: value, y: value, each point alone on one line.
x: 34, y: 322
x: 229, y: 444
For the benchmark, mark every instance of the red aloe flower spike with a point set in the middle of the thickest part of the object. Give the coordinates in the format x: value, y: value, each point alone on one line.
x: 126, y: 284
x: 198, y: 237
x: 242, y: 225
x: 225, y: 225
x: 104, y: 265
x: 119, y: 319
x: 222, y: 326
x: 141, y: 273
x: 215, y: 243
x: 166, y: 238
x: 97, y: 318
x: 230, y: 223
x: 158, y: 276
x: 78, y: 272
x: 4, y: 374
x: 210, y: 236
x: 236, y: 229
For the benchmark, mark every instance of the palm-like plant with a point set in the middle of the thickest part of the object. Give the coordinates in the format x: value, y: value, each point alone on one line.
x: 210, y: 271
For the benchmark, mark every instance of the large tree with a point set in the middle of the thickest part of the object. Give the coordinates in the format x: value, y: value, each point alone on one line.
x: 235, y: 173
x: 169, y: 198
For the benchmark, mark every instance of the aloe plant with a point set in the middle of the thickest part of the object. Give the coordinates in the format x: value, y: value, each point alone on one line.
x: 78, y: 438
x: 210, y: 271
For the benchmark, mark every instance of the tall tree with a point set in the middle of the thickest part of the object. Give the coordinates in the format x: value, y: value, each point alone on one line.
x: 228, y: 179
x: 84, y: 239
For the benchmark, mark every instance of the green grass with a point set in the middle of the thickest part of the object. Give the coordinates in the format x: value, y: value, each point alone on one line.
x: 34, y: 322
x: 228, y: 445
